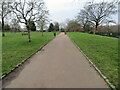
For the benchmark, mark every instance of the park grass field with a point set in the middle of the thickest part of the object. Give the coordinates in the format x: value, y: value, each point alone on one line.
x: 0, y: 54
x: 16, y: 48
x: 103, y: 52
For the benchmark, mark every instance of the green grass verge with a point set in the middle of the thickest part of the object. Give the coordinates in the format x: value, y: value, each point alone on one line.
x: 0, y: 54
x: 103, y: 52
x: 16, y: 48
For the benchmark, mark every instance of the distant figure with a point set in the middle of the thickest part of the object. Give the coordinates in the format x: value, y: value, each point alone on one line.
x: 54, y: 33
x: 65, y: 32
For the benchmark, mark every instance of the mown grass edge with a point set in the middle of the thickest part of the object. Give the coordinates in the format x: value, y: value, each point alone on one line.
x: 94, y: 66
x: 20, y: 64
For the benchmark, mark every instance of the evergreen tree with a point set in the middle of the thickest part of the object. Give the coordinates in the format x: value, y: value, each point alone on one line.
x: 51, y: 27
x: 32, y: 26
x: 7, y: 28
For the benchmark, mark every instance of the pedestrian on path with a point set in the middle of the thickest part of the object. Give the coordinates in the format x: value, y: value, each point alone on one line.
x: 65, y: 32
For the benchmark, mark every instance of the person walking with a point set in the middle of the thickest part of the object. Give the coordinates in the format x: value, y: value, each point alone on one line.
x: 65, y: 32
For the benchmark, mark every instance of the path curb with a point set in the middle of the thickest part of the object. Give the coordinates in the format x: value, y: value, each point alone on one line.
x: 20, y: 64
x: 94, y: 66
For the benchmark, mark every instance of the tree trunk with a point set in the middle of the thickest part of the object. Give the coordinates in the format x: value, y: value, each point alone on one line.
x: 42, y: 33
x: 84, y: 28
x: 28, y: 29
x: 94, y: 30
x: 42, y: 30
x: 29, y: 38
x: 108, y: 30
x: 96, y: 27
x: 3, y: 34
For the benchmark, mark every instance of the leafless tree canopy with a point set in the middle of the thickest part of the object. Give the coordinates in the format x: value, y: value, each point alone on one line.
x: 27, y: 11
x: 4, y: 11
x: 73, y: 25
x: 97, y: 13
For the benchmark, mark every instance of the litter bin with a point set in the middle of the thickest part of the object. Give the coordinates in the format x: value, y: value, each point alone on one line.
x: 54, y: 33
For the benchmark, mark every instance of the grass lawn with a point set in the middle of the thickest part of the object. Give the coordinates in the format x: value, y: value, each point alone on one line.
x: 103, y: 52
x: 16, y: 48
x: 0, y: 54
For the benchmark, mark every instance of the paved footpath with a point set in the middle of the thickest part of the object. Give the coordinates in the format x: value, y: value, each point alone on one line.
x: 59, y: 65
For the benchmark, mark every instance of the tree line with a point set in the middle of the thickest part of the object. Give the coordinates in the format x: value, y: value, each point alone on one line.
x: 93, y: 16
x: 34, y: 13
x: 54, y: 27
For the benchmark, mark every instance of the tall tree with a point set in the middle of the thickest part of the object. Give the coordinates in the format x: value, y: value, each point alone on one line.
x: 4, y: 11
x: 27, y: 11
x: 73, y: 25
x: 42, y: 24
x: 108, y: 25
x: 51, y: 27
x: 82, y: 19
x: 97, y: 13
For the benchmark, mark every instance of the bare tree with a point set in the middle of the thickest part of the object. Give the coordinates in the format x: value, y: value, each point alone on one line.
x: 15, y: 25
x: 4, y: 11
x: 83, y: 19
x: 62, y: 26
x: 73, y: 25
x: 27, y: 11
x: 97, y: 13
x: 42, y: 23
x: 108, y: 25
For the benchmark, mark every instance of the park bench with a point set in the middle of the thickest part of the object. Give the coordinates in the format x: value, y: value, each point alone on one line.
x: 24, y: 34
x: 117, y: 36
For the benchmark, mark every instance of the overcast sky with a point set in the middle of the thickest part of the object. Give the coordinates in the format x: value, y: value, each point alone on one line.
x: 61, y: 10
